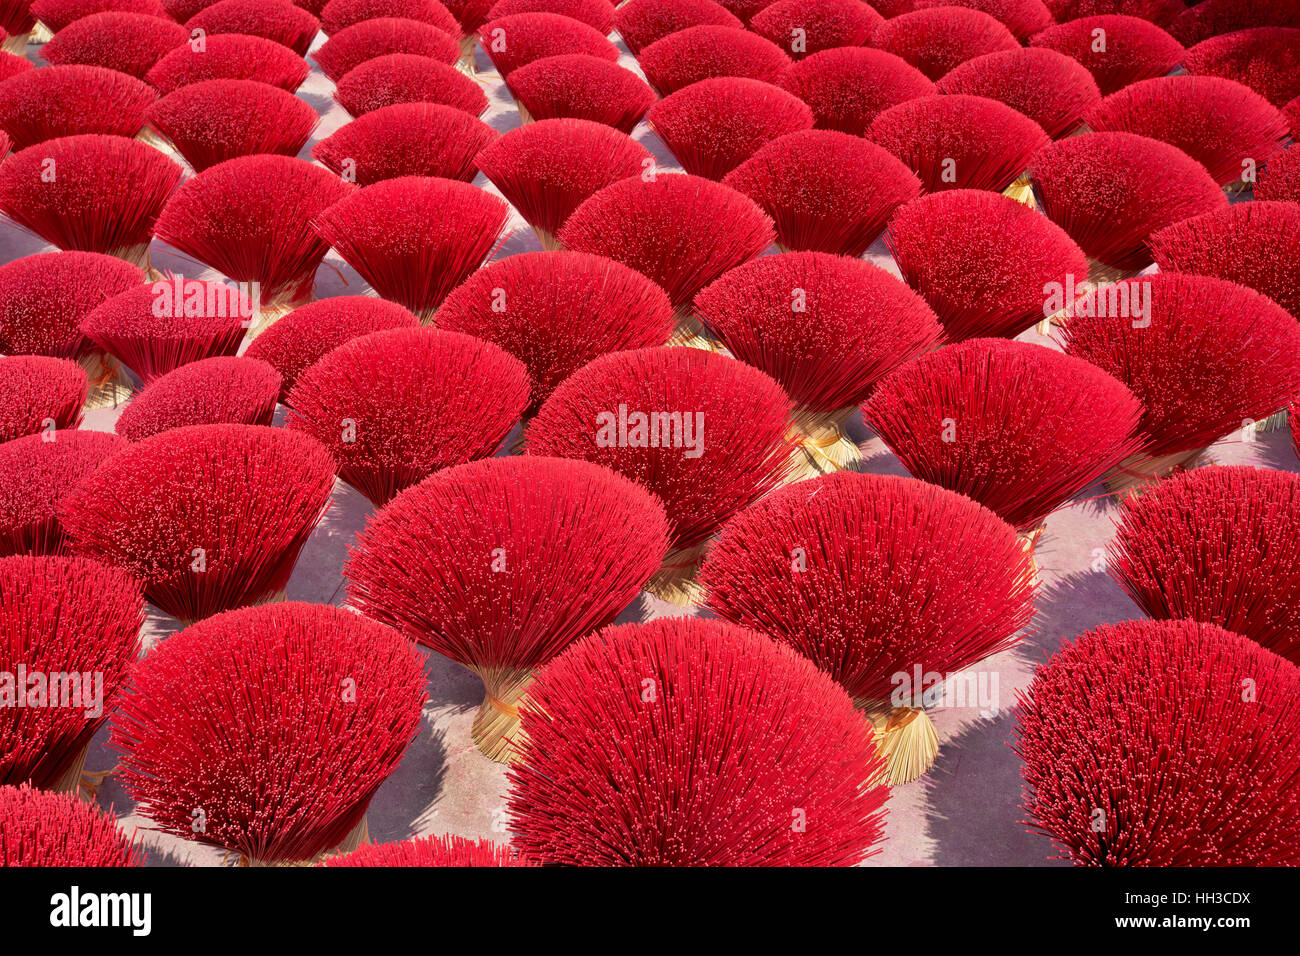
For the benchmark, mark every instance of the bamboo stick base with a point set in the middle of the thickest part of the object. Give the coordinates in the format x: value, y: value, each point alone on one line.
x: 16, y: 44
x: 824, y: 447
x: 358, y: 835
x: 1022, y: 191
x: 1273, y: 422
x: 107, y: 385
x: 467, y: 45
x: 151, y: 138
x: 547, y: 240
x: 676, y: 581
x: 496, y: 729
x: 92, y: 780
x: 1136, y: 472
x: 137, y: 255
x: 1062, y: 315
x: 1099, y: 272
x: 1056, y: 318
x: 1028, y: 543
x: 466, y: 62
x: 267, y: 316
x: 701, y: 342
x: 689, y: 332
x: 906, y: 738
x: 70, y: 780
x: 41, y: 33
x: 275, y: 597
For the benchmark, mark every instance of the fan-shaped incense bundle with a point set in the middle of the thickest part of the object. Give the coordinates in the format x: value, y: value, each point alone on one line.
x: 394, y: 407
x: 622, y: 726
x: 44, y: 299
x: 306, y: 335
x: 211, y: 391
x: 827, y: 328
x: 557, y: 311
x: 1017, y: 427
x: 1221, y: 545
x: 39, y: 828
x: 69, y: 635
x: 707, y: 434
x: 209, y: 517
x: 36, y: 473
x: 1205, y: 357
x: 277, y: 724
x: 890, y: 585
x: 848, y: 87
x: 501, y: 564
x: 1164, y: 743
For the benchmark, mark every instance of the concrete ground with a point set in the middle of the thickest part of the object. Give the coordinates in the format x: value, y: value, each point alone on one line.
x: 964, y: 812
